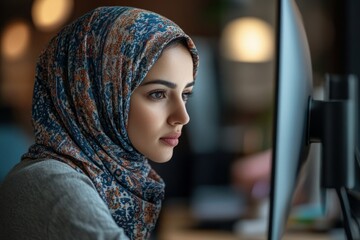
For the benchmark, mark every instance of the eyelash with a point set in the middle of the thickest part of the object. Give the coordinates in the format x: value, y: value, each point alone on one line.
x: 157, y: 95
x: 187, y: 96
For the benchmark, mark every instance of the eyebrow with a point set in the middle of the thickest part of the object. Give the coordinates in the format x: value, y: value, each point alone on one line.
x: 167, y: 83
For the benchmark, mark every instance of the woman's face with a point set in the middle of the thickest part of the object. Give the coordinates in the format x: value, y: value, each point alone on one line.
x: 157, y: 107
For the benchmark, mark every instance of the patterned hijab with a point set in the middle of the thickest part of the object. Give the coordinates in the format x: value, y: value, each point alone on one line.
x: 83, y: 83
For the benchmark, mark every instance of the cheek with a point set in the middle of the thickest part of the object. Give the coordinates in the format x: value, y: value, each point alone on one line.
x: 147, y: 117
x: 145, y: 120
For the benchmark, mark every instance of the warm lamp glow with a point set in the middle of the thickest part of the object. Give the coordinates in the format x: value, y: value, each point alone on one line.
x: 48, y: 15
x: 15, y: 40
x: 248, y: 39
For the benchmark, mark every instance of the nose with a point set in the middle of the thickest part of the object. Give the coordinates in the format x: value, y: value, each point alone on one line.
x: 179, y: 114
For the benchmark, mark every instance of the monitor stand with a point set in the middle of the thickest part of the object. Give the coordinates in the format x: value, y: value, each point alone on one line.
x: 350, y: 210
x: 333, y: 122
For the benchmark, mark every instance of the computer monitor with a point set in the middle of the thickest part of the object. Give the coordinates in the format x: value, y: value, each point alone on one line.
x: 293, y: 91
x: 300, y: 120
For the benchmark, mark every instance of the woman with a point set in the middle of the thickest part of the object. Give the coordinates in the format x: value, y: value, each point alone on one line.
x: 110, y: 93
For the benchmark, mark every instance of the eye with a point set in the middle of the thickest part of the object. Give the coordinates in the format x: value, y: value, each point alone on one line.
x: 157, y: 95
x: 186, y: 96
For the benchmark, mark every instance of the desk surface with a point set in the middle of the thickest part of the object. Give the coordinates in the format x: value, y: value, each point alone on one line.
x: 176, y: 224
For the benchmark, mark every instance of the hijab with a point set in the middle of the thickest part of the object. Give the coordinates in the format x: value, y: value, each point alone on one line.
x: 83, y: 83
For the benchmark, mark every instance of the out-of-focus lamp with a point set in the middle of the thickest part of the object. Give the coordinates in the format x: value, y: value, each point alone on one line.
x: 15, y: 39
x: 48, y: 15
x: 247, y: 39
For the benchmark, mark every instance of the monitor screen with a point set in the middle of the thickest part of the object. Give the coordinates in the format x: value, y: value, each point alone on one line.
x: 293, y: 92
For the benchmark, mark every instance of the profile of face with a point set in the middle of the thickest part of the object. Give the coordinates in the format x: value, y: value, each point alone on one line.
x: 158, y: 106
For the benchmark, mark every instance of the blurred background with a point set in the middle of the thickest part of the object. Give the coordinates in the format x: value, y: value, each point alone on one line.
x: 231, y: 111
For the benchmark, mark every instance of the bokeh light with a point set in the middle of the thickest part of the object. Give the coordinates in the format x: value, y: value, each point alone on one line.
x: 48, y: 15
x: 248, y: 39
x: 15, y: 39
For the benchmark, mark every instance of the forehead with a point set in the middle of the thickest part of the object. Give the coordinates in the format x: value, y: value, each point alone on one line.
x: 174, y: 62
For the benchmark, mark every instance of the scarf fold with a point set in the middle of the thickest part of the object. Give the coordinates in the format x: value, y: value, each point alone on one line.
x: 83, y: 83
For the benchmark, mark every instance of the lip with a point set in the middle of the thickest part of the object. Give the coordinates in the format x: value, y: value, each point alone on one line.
x: 171, y: 139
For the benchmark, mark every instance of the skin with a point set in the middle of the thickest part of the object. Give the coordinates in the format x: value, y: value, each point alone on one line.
x: 158, y: 106
x: 252, y: 174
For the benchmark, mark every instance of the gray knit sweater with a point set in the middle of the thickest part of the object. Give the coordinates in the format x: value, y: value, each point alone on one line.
x: 50, y: 200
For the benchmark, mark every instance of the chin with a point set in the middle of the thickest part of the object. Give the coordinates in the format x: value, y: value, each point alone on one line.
x: 162, y: 159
